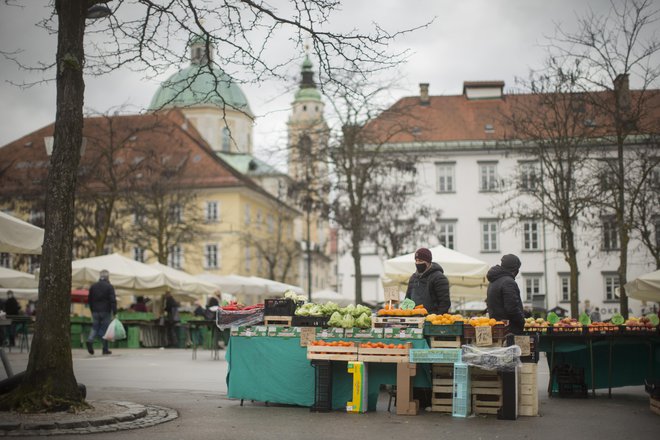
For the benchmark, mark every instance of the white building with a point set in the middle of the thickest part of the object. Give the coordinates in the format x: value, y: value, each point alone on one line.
x: 463, y: 158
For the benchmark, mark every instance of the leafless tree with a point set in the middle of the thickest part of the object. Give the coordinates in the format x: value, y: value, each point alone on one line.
x: 143, y: 34
x: 612, y: 50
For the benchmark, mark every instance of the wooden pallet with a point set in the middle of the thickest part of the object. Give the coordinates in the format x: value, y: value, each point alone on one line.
x: 442, y: 388
x: 397, y: 321
x: 324, y: 352
x: 445, y: 341
x: 655, y: 405
x: 278, y: 320
x: 384, y: 355
x: 486, y: 390
x: 442, y: 402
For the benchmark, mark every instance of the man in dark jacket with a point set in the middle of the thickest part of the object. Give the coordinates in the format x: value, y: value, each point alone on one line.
x: 429, y: 285
x: 103, y: 304
x: 503, y: 297
x: 12, y: 308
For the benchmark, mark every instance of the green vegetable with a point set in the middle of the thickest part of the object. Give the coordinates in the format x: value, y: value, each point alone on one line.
x: 617, y: 319
x: 653, y: 318
x: 360, y: 309
x: 552, y: 318
x: 347, y: 321
x: 335, y: 320
x: 329, y: 308
x: 584, y: 319
x: 363, y: 321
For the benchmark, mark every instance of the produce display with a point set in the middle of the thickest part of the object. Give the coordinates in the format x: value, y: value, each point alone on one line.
x: 602, y: 327
x: 445, y: 319
x: 646, y: 323
x: 536, y: 324
x: 567, y: 325
x: 484, y: 321
x: 381, y: 345
x: 351, y: 316
x: 322, y: 343
x: 417, y: 311
x: 233, y: 306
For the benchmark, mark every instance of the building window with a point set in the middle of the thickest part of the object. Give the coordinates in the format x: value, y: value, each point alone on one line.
x: 611, y: 281
x: 610, y: 234
x: 248, y: 259
x: 564, y: 288
x: 531, y: 235
x: 270, y: 221
x: 532, y: 287
x: 212, y: 212
x: 247, y: 214
x: 488, y: 177
x: 211, y: 259
x: 176, y: 213
x: 259, y: 219
x: 447, y: 234
x: 489, y: 232
x: 5, y: 260
x: 226, y: 140
x: 528, y: 176
x: 175, y: 257
x: 33, y: 263
x: 138, y: 217
x: 445, y: 177
x: 138, y: 254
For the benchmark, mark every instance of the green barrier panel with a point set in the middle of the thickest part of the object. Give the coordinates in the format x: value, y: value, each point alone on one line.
x: 182, y: 336
x: 135, y: 316
x: 133, y: 337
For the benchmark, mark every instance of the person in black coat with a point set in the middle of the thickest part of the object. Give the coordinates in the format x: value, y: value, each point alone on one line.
x: 429, y: 285
x: 503, y: 297
x: 12, y: 308
x: 103, y: 304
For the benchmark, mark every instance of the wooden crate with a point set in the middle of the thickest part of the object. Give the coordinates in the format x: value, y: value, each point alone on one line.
x: 486, y: 390
x: 278, y: 320
x: 655, y: 405
x: 528, y: 396
x: 445, y: 341
x: 442, y: 388
x: 384, y: 355
x: 324, y: 352
x: 397, y: 321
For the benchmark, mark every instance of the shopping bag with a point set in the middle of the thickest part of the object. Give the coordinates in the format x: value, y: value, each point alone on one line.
x: 115, y: 331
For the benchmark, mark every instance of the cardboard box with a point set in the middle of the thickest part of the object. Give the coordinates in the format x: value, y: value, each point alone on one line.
x: 283, y: 332
x: 331, y: 332
x: 250, y: 331
x: 363, y: 333
x: 403, y: 333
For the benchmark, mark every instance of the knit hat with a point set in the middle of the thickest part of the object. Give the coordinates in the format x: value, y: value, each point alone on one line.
x: 510, y: 262
x: 424, y: 255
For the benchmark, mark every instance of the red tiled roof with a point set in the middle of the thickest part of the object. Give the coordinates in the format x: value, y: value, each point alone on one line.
x: 456, y: 118
x: 164, y: 137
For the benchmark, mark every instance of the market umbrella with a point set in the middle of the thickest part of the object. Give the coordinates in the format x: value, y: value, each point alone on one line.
x: 276, y: 287
x: 14, y: 279
x: 645, y: 287
x: 125, y: 274
x: 234, y: 284
x: 466, y: 275
x: 19, y: 237
x: 323, y: 296
x: 186, y: 282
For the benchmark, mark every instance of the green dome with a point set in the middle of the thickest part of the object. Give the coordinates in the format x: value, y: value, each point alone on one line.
x: 195, y: 85
x: 307, y: 94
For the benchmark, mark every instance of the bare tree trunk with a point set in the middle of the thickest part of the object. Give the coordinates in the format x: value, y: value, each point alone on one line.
x: 624, y: 236
x: 357, y: 265
x: 49, y: 382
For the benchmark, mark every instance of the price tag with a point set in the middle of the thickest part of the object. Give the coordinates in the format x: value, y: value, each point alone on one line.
x: 484, y: 335
x: 523, y: 343
x: 392, y: 293
x: 307, y: 335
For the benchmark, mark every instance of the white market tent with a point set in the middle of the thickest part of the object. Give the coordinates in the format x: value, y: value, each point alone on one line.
x: 645, y: 287
x: 125, y: 274
x: 14, y: 279
x: 19, y: 237
x: 276, y: 287
x: 233, y: 284
x: 466, y: 275
x: 185, y: 282
x: 323, y: 296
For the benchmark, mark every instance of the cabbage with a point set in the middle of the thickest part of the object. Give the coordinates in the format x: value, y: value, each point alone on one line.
x: 290, y: 295
x: 363, y: 321
x: 360, y: 309
x: 347, y: 321
x: 348, y: 309
x: 315, y: 310
x: 335, y: 320
x: 329, y: 308
x: 301, y: 298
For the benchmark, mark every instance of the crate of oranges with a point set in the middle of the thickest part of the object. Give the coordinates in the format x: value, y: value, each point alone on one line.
x: 499, y: 328
x: 444, y: 325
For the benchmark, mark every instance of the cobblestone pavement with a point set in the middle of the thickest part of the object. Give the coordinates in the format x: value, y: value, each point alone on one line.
x: 121, y: 416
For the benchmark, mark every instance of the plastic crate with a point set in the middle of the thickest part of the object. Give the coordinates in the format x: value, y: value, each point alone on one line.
x: 279, y: 307
x: 568, y: 331
x: 322, y: 386
x: 499, y: 331
x: 461, y: 402
x: 455, y: 329
x: 310, y: 321
x: 435, y: 355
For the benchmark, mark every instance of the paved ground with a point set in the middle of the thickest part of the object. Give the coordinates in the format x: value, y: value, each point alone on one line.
x: 196, y: 389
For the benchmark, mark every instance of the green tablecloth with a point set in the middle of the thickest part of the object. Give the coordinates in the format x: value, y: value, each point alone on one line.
x: 274, y: 369
x: 633, y: 358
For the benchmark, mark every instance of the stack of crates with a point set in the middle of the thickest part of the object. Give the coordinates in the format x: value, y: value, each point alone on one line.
x: 322, y: 386
x: 461, y: 405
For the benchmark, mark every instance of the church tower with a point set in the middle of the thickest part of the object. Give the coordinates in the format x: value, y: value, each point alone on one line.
x: 307, y: 145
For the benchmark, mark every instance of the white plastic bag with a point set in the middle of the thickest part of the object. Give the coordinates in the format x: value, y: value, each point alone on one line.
x: 115, y: 331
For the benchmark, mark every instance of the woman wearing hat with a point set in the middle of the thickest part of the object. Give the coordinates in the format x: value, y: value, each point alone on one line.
x: 429, y: 285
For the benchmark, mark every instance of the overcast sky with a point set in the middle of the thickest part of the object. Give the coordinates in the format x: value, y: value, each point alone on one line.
x: 470, y: 40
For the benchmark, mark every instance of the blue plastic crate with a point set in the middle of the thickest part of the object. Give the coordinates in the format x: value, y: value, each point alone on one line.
x: 435, y: 355
x: 461, y: 403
